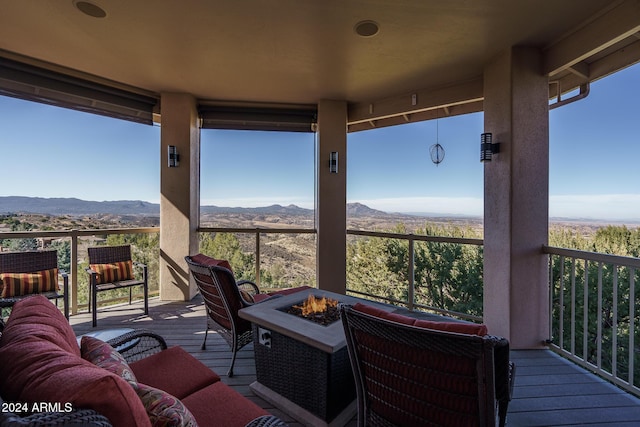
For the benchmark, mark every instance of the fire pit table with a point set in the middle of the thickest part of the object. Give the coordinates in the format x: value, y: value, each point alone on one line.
x: 302, y: 366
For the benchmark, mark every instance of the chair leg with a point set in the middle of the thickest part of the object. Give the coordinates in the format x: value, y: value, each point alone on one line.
x: 130, y: 294
x: 146, y: 298
x: 233, y: 360
x: 94, y: 299
x: 204, y: 343
x: 65, y: 301
x: 234, y: 348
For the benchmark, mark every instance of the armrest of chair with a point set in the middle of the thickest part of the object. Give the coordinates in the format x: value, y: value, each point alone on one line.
x: 65, y: 289
x: 139, y: 344
x: 505, y: 371
x: 65, y: 281
x: 92, y: 274
x: 143, y: 267
x: 250, y: 284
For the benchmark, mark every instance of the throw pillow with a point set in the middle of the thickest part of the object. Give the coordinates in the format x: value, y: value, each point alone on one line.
x: 246, y: 296
x: 164, y: 409
x: 104, y: 356
x: 113, y: 272
x: 16, y: 284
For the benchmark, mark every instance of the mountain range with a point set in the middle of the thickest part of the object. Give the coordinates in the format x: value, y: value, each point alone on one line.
x: 73, y: 206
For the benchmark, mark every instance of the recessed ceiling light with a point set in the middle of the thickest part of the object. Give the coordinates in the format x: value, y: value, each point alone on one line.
x: 90, y: 9
x: 367, y: 28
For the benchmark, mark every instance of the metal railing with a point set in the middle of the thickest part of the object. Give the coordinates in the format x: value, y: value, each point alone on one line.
x: 257, y: 232
x: 411, y: 239
x: 410, y: 303
x: 74, y: 236
x: 594, y: 314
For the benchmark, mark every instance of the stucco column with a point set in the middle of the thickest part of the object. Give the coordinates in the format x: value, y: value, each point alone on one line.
x: 331, y: 198
x: 179, y: 195
x: 516, y: 198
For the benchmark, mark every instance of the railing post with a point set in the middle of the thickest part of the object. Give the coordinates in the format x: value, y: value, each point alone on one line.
x: 550, y: 259
x: 573, y: 305
x: 632, y: 324
x: 412, y: 277
x: 74, y: 271
x: 614, y: 324
x: 561, y: 305
x: 599, y: 317
x: 258, y: 257
x: 585, y: 312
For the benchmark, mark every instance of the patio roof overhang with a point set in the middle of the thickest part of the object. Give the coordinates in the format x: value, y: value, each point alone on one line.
x: 426, y: 61
x: 429, y: 59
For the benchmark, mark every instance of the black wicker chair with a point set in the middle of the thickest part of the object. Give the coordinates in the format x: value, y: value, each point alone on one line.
x: 31, y: 262
x: 412, y: 376
x: 222, y: 299
x: 101, y: 255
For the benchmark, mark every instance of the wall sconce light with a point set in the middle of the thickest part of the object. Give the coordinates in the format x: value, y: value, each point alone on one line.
x: 333, y: 162
x: 174, y: 157
x: 487, y: 147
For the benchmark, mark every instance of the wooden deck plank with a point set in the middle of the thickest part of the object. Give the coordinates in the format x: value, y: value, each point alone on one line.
x: 549, y: 390
x: 552, y: 391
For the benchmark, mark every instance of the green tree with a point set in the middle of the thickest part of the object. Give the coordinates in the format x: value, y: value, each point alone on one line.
x: 227, y: 246
x: 63, y: 248
x: 372, y: 269
x: 447, y: 276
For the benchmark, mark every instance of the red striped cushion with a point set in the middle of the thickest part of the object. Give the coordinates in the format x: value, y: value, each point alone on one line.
x: 113, y: 272
x: 16, y: 284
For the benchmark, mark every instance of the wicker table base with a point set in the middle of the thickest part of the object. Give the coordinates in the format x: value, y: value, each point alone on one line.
x: 302, y: 367
x: 313, y: 386
x: 298, y: 412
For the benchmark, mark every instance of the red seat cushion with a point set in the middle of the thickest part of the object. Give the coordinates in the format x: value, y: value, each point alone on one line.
x: 457, y: 327
x: 39, y: 364
x: 220, y: 405
x: 174, y: 371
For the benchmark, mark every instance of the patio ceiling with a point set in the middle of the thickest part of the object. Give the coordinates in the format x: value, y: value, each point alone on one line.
x: 299, y: 52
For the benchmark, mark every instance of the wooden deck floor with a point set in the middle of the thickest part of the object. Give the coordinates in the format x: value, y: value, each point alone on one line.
x: 549, y: 390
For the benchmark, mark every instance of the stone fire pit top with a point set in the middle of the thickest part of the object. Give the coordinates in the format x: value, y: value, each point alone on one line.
x: 329, y: 338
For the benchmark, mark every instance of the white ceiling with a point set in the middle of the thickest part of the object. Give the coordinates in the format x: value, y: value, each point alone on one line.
x: 287, y: 51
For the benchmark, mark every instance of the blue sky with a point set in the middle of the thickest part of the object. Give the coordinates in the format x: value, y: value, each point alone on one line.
x: 594, y: 152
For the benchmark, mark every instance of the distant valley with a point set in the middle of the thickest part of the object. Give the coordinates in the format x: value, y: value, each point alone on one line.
x: 276, y: 216
x: 141, y: 213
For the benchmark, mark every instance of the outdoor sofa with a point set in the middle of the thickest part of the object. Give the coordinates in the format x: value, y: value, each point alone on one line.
x: 42, y: 367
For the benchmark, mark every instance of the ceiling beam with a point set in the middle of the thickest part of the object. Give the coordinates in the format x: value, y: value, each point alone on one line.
x: 467, y: 92
x: 434, y: 113
x: 612, y: 26
x: 602, y: 67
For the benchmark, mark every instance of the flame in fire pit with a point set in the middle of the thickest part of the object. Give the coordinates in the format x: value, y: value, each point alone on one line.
x: 315, y: 305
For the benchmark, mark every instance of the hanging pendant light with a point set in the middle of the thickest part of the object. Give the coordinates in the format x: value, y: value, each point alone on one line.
x: 437, y: 150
